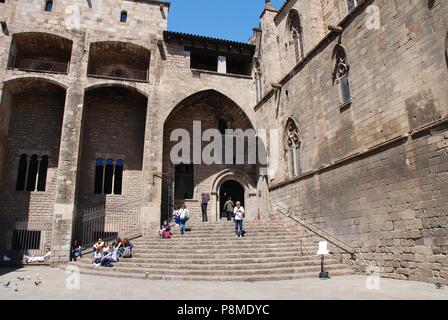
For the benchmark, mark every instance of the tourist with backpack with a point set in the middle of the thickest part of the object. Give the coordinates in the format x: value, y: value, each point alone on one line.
x: 184, y: 216
x: 228, y: 209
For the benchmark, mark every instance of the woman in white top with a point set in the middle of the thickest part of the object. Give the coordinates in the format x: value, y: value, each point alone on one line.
x: 239, y: 216
x: 184, y: 215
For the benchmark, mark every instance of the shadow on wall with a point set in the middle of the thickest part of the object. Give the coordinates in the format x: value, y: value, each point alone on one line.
x: 111, y: 165
x: 34, y: 109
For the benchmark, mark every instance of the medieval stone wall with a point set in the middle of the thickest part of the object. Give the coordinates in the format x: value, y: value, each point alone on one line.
x: 35, y: 124
x: 390, y: 204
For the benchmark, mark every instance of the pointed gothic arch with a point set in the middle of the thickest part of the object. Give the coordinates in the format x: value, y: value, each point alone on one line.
x: 295, y: 31
x: 292, y: 145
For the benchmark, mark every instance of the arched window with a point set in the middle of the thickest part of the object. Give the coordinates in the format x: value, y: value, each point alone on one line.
x: 295, y: 29
x: 21, y: 175
x: 258, y: 76
x: 108, y: 176
x: 32, y: 173
x: 341, y: 72
x: 49, y: 6
x: 123, y: 16
x: 118, y: 180
x: 42, y: 177
x: 293, y: 148
x: 99, y: 173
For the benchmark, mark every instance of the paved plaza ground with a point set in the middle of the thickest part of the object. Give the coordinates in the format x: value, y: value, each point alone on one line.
x: 55, y: 281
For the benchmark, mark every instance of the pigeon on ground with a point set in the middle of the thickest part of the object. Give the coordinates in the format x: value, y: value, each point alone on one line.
x: 146, y: 274
x: 7, y: 284
x: 37, y: 283
x: 439, y: 286
x: 20, y: 278
x: 16, y: 287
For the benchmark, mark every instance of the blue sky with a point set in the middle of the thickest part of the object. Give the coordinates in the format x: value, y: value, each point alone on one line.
x: 225, y: 19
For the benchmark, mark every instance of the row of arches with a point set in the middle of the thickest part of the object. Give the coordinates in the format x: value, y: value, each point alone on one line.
x: 50, y: 53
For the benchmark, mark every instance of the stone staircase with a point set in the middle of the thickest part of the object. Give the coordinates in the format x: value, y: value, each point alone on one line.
x: 211, y: 252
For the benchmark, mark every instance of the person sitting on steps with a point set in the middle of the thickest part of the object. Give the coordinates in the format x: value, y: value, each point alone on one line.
x: 75, y: 251
x: 99, y: 243
x: 165, y: 231
x: 127, y: 245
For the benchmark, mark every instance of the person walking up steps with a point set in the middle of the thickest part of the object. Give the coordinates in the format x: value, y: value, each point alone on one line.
x: 239, y: 216
x: 184, y: 215
x: 205, y: 198
x: 228, y: 208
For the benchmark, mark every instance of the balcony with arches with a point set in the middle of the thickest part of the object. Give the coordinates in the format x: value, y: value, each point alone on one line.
x: 119, y: 61
x: 40, y: 52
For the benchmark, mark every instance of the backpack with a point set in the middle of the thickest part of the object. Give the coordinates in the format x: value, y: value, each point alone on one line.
x: 127, y: 253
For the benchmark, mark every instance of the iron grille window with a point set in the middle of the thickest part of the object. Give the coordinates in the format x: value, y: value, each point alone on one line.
x: 26, y: 239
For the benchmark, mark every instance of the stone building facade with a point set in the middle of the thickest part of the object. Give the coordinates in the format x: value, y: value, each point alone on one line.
x: 352, y: 94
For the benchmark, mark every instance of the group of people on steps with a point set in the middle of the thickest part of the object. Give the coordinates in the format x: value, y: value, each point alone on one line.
x: 231, y: 210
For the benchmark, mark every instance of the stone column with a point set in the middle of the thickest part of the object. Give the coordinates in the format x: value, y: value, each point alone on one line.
x: 222, y: 64
x: 69, y: 154
x: 64, y: 209
x: 152, y: 168
x: 187, y: 55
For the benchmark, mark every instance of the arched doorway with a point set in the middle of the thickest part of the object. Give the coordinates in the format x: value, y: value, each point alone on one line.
x: 233, y: 189
x: 186, y: 176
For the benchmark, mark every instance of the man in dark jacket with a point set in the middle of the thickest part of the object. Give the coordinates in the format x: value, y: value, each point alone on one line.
x: 228, y: 208
x: 205, y: 198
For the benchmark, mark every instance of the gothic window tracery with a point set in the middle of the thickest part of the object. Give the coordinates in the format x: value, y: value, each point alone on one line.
x: 341, y: 72
x: 293, y: 144
x: 295, y: 29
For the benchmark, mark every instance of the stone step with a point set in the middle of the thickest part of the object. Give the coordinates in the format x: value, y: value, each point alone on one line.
x: 240, y: 278
x: 192, y: 238
x: 182, y: 261
x: 125, y: 263
x: 228, y: 228
x: 188, y: 255
x: 270, y: 251
x: 219, y: 273
x: 224, y: 249
x: 206, y: 246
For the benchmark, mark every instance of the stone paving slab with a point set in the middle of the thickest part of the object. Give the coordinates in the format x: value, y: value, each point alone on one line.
x: 102, y: 288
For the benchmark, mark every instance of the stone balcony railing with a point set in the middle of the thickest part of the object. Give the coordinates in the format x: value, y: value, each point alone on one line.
x: 119, y: 74
x: 41, y: 66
